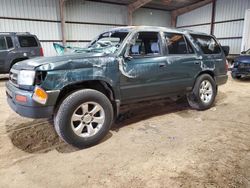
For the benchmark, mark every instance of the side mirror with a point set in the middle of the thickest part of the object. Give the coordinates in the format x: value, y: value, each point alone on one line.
x: 226, y: 50
x: 244, y: 52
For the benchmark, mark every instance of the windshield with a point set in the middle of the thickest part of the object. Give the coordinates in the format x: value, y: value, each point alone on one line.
x: 108, y: 42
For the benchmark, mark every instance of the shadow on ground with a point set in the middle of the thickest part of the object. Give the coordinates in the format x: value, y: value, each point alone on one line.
x: 4, y: 77
x: 39, y: 136
x: 244, y: 79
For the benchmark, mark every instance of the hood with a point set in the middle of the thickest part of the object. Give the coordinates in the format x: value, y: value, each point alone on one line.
x: 243, y: 59
x: 62, y: 62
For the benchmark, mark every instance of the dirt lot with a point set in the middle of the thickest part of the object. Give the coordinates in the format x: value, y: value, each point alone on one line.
x: 157, y: 144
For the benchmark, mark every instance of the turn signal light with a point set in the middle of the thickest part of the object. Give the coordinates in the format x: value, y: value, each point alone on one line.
x: 21, y: 98
x: 40, y: 95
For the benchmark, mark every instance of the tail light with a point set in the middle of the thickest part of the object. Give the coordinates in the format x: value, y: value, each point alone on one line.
x: 226, y: 65
x: 41, y: 52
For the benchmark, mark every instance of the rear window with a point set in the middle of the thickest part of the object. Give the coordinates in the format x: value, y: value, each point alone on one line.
x: 27, y: 41
x: 3, y: 45
x: 9, y: 42
x: 207, y: 44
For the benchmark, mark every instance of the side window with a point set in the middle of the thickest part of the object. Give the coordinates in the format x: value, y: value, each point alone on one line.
x: 9, y: 42
x: 27, y: 41
x: 145, y: 44
x: 3, y: 45
x: 189, y: 47
x: 177, y: 44
x: 207, y: 44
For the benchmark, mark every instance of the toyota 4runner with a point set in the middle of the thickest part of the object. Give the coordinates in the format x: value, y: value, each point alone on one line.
x: 84, y: 90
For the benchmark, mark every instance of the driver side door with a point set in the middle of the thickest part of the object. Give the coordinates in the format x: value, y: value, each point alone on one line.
x: 142, y: 70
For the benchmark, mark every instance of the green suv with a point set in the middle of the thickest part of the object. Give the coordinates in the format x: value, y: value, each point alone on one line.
x: 83, y: 90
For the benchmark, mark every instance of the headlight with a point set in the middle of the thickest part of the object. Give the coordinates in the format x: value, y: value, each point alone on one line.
x: 26, y: 77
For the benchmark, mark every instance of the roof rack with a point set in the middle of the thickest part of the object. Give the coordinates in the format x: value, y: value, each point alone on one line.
x: 15, y: 33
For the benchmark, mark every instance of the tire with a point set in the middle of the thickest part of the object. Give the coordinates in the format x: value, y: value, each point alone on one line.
x: 79, y: 112
x: 196, y: 98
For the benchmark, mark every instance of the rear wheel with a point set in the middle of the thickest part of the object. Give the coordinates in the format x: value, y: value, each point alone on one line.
x: 204, y: 92
x: 84, y: 118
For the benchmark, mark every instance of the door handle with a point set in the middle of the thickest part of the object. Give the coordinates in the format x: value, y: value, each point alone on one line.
x: 197, y: 62
x: 162, y: 65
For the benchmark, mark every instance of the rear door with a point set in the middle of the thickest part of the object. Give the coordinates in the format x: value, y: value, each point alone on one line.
x: 3, y: 53
x: 183, y: 62
x: 6, y: 47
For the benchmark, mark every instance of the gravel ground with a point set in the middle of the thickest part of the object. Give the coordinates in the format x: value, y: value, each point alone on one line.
x: 154, y: 144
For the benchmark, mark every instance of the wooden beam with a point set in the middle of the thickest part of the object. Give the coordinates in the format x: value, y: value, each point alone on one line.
x: 166, y: 2
x: 133, y: 6
x: 137, y: 4
x: 173, y: 19
x: 189, y: 8
x: 62, y: 19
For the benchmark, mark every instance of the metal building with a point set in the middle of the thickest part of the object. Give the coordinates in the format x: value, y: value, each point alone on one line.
x: 84, y: 19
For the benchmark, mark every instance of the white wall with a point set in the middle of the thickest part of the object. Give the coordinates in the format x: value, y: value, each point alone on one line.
x: 229, y: 21
x: 39, y: 17
x: 151, y: 17
x: 246, y: 32
x: 85, y: 20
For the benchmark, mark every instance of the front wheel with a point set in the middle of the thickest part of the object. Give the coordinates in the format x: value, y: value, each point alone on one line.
x: 203, y: 94
x: 84, y: 118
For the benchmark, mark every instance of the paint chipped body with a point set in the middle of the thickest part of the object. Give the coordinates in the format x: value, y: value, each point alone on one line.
x: 137, y: 64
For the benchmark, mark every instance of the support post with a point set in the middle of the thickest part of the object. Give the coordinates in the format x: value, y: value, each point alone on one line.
x: 213, y: 17
x: 62, y: 19
x: 173, y: 19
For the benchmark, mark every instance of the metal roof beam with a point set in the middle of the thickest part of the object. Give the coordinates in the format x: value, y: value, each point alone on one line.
x: 137, y: 4
x: 191, y: 7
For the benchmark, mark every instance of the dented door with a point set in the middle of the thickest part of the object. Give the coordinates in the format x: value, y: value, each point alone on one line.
x: 142, y: 77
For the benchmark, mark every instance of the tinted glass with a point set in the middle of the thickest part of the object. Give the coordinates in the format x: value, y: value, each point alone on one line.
x: 145, y: 44
x: 9, y: 42
x: 27, y: 41
x: 3, y: 45
x: 207, y: 44
x: 176, y: 44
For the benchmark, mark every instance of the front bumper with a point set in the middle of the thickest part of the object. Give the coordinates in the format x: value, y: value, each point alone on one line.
x: 221, y: 79
x: 30, y: 108
x: 240, y: 72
